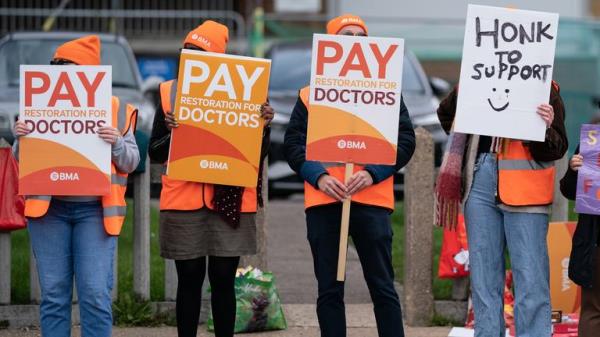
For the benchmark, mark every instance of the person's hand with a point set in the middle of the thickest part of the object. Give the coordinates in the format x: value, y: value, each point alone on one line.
x: 21, y: 129
x: 358, y: 181
x: 576, y: 162
x: 332, y: 187
x: 109, y: 134
x: 267, y: 113
x: 546, y: 111
x: 170, y: 120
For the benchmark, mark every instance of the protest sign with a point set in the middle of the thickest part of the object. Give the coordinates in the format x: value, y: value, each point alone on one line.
x: 354, y: 99
x: 217, y: 106
x: 65, y: 106
x: 588, y: 182
x: 506, y: 72
x: 564, y: 293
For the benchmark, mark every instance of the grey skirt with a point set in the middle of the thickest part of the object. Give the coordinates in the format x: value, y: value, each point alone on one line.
x: 186, y: 235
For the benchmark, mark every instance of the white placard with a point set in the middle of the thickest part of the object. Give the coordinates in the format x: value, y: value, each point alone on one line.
x: 64, y: 106
x: 506, y: 72
x: 355, y: 99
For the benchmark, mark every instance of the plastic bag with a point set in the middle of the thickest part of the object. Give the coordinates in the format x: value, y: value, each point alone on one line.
x: 12, y: 205
x: 454, y: 257
x: 258, y: 306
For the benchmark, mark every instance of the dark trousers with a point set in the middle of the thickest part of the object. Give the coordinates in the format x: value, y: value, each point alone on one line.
x: 589, y: 324
x: 371, y: 233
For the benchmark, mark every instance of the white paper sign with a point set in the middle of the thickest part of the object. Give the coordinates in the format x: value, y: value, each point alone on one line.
x: 355, y: 97
x: 64, y: 106
x: 506, y: 72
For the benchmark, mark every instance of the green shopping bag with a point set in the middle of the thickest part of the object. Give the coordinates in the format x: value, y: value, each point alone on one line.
x: 258, y: 306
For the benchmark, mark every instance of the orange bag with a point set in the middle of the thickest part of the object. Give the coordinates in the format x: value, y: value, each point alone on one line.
x: 454, y: 257
x: 12, y: 205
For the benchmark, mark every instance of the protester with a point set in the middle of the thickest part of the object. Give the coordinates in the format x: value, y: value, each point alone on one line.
x: 584, y: 263
x: 506, y: 187
x: 204, y: 220
x: 76, y: 235
x: 371, y: 190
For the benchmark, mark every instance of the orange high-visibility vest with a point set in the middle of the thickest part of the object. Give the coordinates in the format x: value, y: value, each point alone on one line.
x: 186, y: 195
x: 381, y: 194
x: 114, y: 207
x: 523, y: 181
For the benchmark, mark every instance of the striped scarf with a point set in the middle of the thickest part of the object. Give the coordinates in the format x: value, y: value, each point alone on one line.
x: 448, y: 186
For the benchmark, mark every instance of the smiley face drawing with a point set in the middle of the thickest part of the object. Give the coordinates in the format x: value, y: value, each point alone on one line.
x: 500, y: 101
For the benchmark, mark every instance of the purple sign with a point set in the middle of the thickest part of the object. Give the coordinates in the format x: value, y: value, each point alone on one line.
x: 588, y: 179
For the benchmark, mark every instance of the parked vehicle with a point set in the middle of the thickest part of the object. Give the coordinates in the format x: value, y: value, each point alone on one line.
x: 290, y: 71
x: 39, y: 47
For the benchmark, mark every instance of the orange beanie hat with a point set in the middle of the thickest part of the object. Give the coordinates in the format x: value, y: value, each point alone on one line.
x: 82, y: 51
x: 210, y: 36
x: 336, y: 24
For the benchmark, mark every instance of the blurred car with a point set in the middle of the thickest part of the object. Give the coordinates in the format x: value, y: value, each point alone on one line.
x: 290, y: 71
x: 39, y: 47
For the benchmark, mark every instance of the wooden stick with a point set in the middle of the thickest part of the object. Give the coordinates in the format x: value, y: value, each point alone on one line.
x: 341, y: 271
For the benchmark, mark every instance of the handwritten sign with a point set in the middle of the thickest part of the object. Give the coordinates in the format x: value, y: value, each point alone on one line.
x: 218, y: 102
x: 354, y: 99
x: 506, y: 72
x: 64, y: 106
x: 588, y: 181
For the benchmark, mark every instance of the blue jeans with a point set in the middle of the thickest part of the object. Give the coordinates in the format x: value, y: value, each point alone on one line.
x: 371, y: 232
x: 70, y: 241
x: 490, y: 230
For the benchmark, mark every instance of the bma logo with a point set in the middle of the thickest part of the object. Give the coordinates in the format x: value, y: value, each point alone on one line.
x: 201, y: 39
x: 351, y: 144
x: 213, y: 165
x: 64, y: 176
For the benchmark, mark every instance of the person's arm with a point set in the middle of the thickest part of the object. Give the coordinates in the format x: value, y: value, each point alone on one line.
x: 294, y: 146
x: 404, y: 151
x: 125, y: 153
x: 556, y: 144
x: 447, y: 110
x: 160, y: 139
x: 568, y: 184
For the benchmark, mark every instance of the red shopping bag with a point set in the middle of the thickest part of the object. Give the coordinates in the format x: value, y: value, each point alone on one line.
x: 12, y: 205
x: 454, y: 257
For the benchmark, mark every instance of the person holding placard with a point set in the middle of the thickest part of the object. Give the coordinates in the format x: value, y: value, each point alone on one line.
x: 506, y: 187
x: 76, y: 236
x: 201, y: 221
x: 584, y: 262
x: 371, y: 190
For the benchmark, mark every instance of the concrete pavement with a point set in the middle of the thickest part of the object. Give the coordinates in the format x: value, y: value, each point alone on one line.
x: 301, y: 320
x: 289, y: 258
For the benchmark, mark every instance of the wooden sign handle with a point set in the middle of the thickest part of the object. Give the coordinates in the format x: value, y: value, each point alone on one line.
x: 341, y: 271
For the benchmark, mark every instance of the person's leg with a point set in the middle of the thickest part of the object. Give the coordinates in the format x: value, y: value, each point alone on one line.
x: 323, y: 232
x: 190, y: 276
x: 50, y: 238
x: 589, y: 325
x: 93, y: 254
x: 526, y: 239
x: 371, y: 233
x: 485, y: 234
x: 221, y: 274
